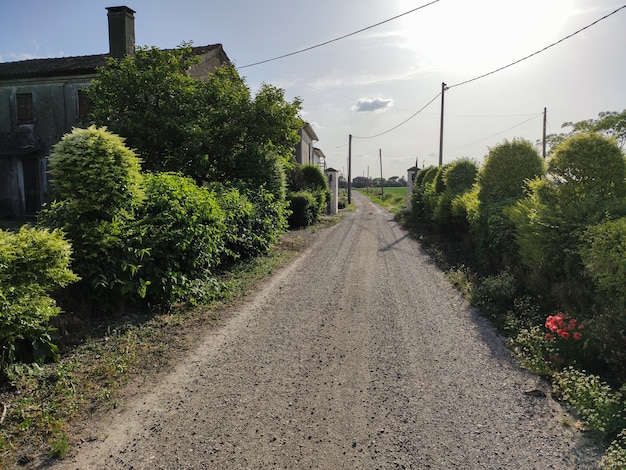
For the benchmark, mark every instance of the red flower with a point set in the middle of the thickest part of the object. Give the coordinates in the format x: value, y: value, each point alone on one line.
x: 550, y: 337
x: 581, y: 327
x: 564, y: 334
x: 577, y: 335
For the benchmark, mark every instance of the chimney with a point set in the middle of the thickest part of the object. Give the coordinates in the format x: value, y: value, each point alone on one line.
x: 121, y: 31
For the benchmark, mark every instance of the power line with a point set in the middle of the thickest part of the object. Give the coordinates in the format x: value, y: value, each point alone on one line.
x: 539, y: 51
x: 495, y: 71
x: 403, y: 122
x: 339, y: 38
x: 471, y: 144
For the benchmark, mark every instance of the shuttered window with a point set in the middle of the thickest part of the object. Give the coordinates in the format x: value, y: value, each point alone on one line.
x: 25, y: 109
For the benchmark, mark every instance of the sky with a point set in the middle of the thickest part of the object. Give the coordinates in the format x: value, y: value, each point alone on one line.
x: 368, y: 83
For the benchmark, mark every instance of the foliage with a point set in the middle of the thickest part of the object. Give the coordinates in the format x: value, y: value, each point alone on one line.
x: 182, y: 226
x: 94, y: 172
x: 210, y: 130
x: 33, y: 263
x: 304, y: 181
x: 506, y: 169
x: 611, y: 124
x: 604, y: 257
x: 458, y: 177
x: 530, y: 347
x: 585, y: 185
x: 304, y: 209
x: 615, y: 456
x: 600, y: 407
x: 501, y: 182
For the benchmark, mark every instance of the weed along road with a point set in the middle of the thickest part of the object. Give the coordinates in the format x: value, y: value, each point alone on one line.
x: 358, y: 355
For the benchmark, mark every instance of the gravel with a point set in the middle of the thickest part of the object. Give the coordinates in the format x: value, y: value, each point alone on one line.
x: 358, y: 355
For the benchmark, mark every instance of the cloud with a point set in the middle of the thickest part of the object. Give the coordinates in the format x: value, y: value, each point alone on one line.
x: 376, y: 105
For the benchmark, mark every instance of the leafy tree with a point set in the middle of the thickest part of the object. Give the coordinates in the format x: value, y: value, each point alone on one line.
x: 610, y: 124
x: 210, y: 130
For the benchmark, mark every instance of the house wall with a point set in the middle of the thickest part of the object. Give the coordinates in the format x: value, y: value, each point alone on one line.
x: 24, y: 148
x: 304, y: 149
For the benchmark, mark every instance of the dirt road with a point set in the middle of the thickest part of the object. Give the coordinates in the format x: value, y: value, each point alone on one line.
x: 358, y: 355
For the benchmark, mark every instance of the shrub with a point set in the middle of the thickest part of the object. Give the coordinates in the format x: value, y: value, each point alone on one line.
x: 33, y: 263
x: 615, y: 456
x: 304, y: 209
x: 506, y: 169
x: 458, y: 177
x: 98, y: 182
x: 501, y: 182
x: 552, y: 219
x: 184, y: 230
x: 96, y: 173
x: 600, y: 408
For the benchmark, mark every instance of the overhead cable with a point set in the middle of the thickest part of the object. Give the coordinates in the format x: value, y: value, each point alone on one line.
x: 539, y: 51
x: 339, y: 38
x: 403, y: 122
x: 497, y: 70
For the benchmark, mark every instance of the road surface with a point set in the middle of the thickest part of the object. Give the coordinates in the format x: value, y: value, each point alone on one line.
x: 358, y: 355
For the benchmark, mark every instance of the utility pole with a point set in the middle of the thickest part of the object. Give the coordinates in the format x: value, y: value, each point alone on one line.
x: 349, y: 168
x: 443, y: 90
x: 382, y: 186
x: 545, y: 119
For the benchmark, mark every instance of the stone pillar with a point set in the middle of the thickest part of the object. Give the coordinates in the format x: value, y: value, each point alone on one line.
x: 332, y: 176
x: 410, y: 181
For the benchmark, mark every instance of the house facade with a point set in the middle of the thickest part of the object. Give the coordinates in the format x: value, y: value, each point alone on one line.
x: 43, y: 99
x: 305, y: 149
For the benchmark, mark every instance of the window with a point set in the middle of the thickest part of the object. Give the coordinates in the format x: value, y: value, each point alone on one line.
x: 25, y: 110
x: 83, y: 105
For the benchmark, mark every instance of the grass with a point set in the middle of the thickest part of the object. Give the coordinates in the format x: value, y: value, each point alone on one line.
x: 41, y: 406
x: 392, y: 198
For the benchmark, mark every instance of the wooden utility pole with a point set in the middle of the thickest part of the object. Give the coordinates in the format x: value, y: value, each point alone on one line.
x: 382, y: 186
x: 545, y: 119
x: 349, y: 168
x: 443, y: 90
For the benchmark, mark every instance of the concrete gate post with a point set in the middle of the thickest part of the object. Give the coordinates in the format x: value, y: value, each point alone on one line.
x: 333, y: 183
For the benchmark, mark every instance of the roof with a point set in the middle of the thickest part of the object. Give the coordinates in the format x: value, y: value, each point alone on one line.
x: 80, y: 65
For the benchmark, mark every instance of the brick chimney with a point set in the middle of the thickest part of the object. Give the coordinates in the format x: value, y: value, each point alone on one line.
x: 121, y: 31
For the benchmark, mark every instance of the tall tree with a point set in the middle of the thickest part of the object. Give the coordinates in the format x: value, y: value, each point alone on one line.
x: 210, y: 130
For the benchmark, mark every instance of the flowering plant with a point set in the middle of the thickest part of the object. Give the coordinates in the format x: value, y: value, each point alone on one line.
x: 563, y: 328
x: 562, y: 333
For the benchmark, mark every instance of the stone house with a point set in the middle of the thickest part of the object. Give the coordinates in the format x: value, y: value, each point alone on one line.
x: 42, y: 99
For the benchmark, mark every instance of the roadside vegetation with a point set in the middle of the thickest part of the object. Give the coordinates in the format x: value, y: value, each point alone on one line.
x: 540, y: 247
x: 173, y: 201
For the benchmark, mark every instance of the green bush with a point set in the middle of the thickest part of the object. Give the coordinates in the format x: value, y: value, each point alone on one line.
x: 501, y: 182
x: 33, y: 263
x: 304, y: 209
x: 601, y: 408
x: 507, y: 167
x: 94, y: 172
x: 458, y: 177
x: 550, y: 222
x: 98, y: 183
x: 615, y: 456
x: 183, y: 228
x: 306, y: 182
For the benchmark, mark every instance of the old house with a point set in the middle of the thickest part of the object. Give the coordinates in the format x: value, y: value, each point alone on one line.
x: 42, y: 99
x: 305, y: 149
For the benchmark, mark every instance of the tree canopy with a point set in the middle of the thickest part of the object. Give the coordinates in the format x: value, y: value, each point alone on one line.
x: 210, y: 130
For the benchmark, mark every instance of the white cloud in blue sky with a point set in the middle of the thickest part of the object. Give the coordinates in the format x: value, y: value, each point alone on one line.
x: 376, y: 105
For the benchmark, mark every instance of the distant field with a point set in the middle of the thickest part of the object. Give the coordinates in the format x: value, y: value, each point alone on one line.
x: 387, y: 190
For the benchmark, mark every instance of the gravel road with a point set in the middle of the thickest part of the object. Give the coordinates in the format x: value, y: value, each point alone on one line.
x: 358, y: 355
